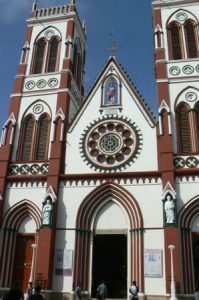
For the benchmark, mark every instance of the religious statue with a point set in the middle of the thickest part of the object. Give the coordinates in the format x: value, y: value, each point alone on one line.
x: 46, y: 214
x: 111, y: 94
x: 169, y: 208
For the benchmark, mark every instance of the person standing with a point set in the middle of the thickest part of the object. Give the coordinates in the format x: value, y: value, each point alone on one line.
x: 15, y: 293
x: 29, y: 291
x: 134, y: 290
x: 102, y: 291
x: 37, y: 294
x: 78, y: 292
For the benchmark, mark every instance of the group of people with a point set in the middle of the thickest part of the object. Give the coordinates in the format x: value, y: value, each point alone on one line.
x: 15, y: 293
x: 101, y: 292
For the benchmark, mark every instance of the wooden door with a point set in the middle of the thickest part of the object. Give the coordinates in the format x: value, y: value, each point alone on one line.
x: 23, y: 260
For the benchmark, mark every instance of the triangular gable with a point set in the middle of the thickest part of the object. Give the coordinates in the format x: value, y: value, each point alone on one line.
x: 118, y: 71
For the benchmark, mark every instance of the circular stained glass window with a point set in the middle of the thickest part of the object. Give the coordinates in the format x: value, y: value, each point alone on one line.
x: 111, y: 143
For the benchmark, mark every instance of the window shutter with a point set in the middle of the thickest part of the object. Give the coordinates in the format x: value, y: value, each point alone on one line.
x: 27, y: 139
x: 185, y: 143
x: 39, y: 56
x: 175, y: 41
x: 53, y: 55
x: 42, y: 138
x: 190, y: 39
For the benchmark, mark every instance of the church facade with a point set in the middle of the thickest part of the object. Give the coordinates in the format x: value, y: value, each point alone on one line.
x: 95, y: 187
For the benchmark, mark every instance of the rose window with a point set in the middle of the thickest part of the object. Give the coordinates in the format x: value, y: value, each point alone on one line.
x: 111, y: 143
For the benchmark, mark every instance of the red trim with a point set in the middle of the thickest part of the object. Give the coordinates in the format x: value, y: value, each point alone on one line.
x: 87, y: 210
x: 11, y: 222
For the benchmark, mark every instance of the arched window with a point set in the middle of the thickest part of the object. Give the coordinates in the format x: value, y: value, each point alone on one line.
x: 27, y: 138
x: 77, y: 64
x: 111, y: 92
x: 175, y: 41
x: 184, y: 134
x: 53, y: 50
x: 42, y: 142
x: 38, y: 63
x: 33, y: 142
x: 190, y: 39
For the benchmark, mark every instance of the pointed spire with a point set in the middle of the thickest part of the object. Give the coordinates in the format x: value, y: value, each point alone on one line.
x: 34, y: 6
x: 84, y: 26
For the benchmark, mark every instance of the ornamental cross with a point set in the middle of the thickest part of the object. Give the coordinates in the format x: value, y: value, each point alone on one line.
x: 114, y: 47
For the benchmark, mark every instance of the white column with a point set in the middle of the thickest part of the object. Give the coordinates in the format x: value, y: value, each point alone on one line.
x: 34, y: 247
x: 173, y: 290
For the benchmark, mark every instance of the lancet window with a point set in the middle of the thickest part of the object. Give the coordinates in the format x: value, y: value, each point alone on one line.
x: 183, y: 40
x: 34, y: 136
x: 46, y: 55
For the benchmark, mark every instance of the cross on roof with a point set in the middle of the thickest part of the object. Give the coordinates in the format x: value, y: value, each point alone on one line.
x: 114, y: 47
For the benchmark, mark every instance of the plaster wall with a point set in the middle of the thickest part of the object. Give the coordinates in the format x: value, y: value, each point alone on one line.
x: 131, y: 109
x: 15, y: 194
x: 154, y: 239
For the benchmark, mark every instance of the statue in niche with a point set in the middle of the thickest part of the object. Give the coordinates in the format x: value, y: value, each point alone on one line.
x: 111, y: 92
x: 47, y: 212
x: 169, y: 208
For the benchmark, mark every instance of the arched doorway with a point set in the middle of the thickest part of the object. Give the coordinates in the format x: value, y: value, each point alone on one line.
x: 195, y: 247
x: 188, y: 222
x: 109, y: 264
x: 20, y: 224
x: 109, y: 250
x: 94, y: 211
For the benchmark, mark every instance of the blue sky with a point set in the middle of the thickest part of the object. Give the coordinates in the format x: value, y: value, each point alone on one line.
x: 131, y: 21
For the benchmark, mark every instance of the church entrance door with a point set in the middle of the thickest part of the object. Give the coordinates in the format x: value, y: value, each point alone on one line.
x: 23, y: 260
x: 195, y: 238
x: 110, y: 264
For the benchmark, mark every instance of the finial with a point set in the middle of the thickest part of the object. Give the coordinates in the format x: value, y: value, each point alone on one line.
x: 72, y: 2
x: 34, y: 6
x: 114, y: 47
x: 84, y: 26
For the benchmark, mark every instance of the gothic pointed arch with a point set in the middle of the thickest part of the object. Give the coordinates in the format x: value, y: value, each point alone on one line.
x: 164, y: 112
x: 42, y: 137
x: 40, y: 47
x: 53, y: 50
x: 183, y: 128
x: 186, y: 217
x: 12, y: 220
x: 26, y: 138
x: 46, y: 51
x: 8, y: 130
x: 59, y: 116
x: 191, y: 43
x: 77, y: 62
x: 87, y: 212
x: 174, y: 35
x: 111, y: 91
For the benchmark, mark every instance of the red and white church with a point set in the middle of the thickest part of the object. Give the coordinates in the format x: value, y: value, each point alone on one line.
x: 94, y: 187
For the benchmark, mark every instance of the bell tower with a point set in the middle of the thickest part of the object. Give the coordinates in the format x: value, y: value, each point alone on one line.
x: 48, y: 90
x: 176, y: 39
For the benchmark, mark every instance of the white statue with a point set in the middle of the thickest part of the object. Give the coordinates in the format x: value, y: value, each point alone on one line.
x: 46, y: 214
x: 169, y: 207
